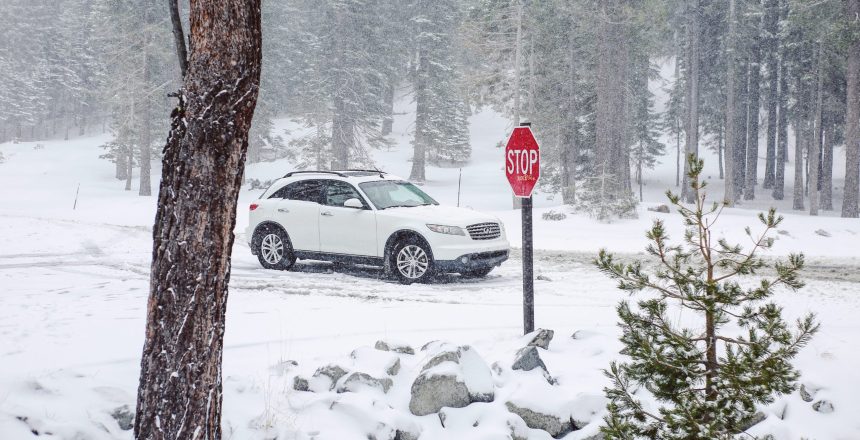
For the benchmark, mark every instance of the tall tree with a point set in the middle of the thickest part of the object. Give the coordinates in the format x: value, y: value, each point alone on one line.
x: 693, y: 10
x: 193, y: 233
x: 754, y: 94
x: 732, y: 140
x: 770, y: 24
x: 852, y: 114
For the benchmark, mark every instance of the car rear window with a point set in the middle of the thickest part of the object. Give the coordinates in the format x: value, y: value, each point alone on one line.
x: 304, y: 190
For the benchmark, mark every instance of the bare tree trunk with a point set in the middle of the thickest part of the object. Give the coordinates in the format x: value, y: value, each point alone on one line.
x: 852, y: 120
x: 342, y: 135
x: 720, y: 148
x: 178, y: 36
x: 752, y: 117
x: 731, y: 110
x: 180, y: 389
x: 419, y: 146
x: 815, y: 147
x: 827, y: 169
x: 145, y: 126
x: 771, y: 41
x: 692, y: 123
x: 799, y: 141
x: 570, y: 130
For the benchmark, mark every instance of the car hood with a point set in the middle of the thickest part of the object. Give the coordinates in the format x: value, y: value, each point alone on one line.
x: 442, y: 215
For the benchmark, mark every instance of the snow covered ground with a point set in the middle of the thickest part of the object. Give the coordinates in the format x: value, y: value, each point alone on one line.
x: 73, y: 286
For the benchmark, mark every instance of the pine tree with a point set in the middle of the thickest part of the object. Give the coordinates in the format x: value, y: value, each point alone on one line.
x: 707, y: 379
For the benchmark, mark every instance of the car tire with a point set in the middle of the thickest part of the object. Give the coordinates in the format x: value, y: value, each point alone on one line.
x: 477, y: 273
x: 411, y: 261
x: 274, y: 249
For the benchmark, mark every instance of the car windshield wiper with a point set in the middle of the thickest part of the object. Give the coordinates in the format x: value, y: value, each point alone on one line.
x: 406, y: 206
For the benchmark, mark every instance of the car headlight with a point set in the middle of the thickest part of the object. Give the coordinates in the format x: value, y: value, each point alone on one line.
x: 450, y: 230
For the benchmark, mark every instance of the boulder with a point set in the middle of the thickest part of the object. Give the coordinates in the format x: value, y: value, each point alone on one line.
x: 453, y: 378
x: 823, y: 406
x: 822, y: 232
x: 331, y: 372
x: 806, y: 394
x: 528, y: 358
x: 541, y: 338
x: 753, y: 420
x: 543, y: 277
x: 375, y: 362
x: 124, y: 417
x: 554, y: 425
x: 300, y: 384
x: 394, y: 346
x: 357, y: 381
x: 659, y: 208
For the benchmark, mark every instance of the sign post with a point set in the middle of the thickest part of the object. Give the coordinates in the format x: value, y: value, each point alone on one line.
x: 522, y: 168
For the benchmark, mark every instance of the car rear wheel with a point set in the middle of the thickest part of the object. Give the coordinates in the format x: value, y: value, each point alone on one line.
x: 477, y: 273
x: 412, y: 261
x: 274, y: 250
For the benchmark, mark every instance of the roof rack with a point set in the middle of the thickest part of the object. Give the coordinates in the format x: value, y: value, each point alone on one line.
x: 364, y: 171
x: 292, y: 173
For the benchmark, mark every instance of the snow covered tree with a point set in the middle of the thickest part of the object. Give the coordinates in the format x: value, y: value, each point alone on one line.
x: 441, y: 118
x: 737, y: 353
x: 180, y: 391
x: 603, y: 197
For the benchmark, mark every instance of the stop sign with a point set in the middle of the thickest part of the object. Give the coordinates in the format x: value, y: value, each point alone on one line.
x: 522, y: 161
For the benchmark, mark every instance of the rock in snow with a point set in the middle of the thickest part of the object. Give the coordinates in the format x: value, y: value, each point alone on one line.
x: 823, y: 406
x: 332, y: 372
x: 394, y: 346
x: 300, y: 384
x: 452, y: 378
x: 356, y: 382
x: 528, y: 358
x: 554, y: 425
x: 806, y: 394
x: 541, y: 338
x: 124, y: 417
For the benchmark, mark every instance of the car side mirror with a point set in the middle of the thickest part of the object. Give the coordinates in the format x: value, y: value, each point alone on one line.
x: 353, y: 203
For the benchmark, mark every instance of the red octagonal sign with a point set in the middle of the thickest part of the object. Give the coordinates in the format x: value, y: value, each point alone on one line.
x: 522, y: 161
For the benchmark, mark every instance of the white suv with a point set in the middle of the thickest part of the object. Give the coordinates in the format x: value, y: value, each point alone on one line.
x: 369, y: 217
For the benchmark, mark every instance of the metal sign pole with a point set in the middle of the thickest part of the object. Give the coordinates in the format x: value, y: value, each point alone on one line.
x: 528, y: 269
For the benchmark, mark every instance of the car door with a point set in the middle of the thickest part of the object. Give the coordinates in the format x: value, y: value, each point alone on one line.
x: 345, y: 230
x: 297, y: 210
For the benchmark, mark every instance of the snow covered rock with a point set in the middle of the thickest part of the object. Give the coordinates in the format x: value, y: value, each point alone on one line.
x: 357, y: 382
x: 394, y: 346
x: 660, y: 208
x: 822, y: 232
x: 452, y: 378
x: 375, y: 362
x: 528, y: 358
x: 124, y: 417
x: 755, y: 419
x: 541, y: 338
x: 326, y: 377
x: 806, y: 393
x: 823, y: 406
x: 300, y: 384
x: 553, y: 424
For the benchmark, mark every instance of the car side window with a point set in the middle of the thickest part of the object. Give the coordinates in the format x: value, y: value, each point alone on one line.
x: 304, y: 190
x: 337, y: 192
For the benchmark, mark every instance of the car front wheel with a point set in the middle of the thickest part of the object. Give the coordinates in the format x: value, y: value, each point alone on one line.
x: 412, y: 261
x: 274, y: 250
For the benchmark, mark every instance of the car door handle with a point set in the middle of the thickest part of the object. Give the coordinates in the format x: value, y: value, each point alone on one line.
x: 326, y: 213
x: 283, y: 210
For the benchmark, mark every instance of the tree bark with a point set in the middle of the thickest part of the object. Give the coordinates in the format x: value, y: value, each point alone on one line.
x: 771, y: 27
x: 419, y: 145
x: 782, y: 118
x: 388, y: 120
x: 827, y: 169
x: 692, y: 123
x: 852, y: 119
x: 815, y: 147
x: 178, y: 36
x: 753, y: 116
x: 180, y: 390
x: 342, y: 135
x: 145, y: 113
x: 731, y: 107
x: 799, y: 171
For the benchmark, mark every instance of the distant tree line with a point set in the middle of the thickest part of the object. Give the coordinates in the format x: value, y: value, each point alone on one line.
x: 751, y: 79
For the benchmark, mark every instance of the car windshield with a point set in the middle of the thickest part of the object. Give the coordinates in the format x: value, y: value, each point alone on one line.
x: 393, y: 193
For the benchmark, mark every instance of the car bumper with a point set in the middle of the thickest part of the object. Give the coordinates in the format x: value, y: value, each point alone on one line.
x: 473, y: 261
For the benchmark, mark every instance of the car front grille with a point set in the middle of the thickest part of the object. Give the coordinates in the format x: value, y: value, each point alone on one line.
x: 484, y: 231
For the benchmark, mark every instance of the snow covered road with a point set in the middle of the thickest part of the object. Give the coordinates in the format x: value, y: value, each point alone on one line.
x: 73, y: 298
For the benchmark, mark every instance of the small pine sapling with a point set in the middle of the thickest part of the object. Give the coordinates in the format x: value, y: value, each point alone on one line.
x: 708, y: 377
